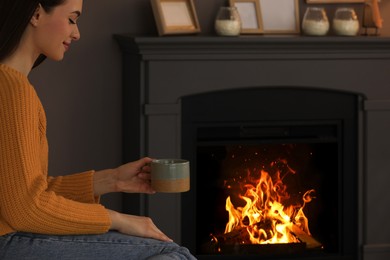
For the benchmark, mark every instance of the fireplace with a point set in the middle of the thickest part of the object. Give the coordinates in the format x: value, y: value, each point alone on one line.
x: 273, y: 173
x: 159, y: 73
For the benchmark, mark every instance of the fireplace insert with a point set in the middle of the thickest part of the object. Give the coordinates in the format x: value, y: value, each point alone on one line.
x: 274, y: 173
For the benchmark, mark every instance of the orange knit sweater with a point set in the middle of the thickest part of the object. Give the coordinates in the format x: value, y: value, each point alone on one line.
x: 30, y: 201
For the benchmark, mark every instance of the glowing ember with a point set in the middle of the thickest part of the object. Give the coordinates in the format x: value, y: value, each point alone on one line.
x: 269, y: 215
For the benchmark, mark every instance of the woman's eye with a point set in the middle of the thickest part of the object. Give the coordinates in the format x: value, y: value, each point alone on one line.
x: 72, y: 21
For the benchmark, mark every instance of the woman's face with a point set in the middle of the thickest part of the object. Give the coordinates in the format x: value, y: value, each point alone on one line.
x: 54, y: 31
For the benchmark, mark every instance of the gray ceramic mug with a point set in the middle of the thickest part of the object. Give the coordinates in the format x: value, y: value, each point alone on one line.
x: 170, y: 175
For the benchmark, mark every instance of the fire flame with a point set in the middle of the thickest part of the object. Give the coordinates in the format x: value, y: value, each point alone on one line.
x: 266, y: 216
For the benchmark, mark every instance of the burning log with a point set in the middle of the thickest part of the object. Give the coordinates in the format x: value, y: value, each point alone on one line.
x: 240, y: 238
x: 311, y: 243
x: 238, y: 242
x: 240, y: 235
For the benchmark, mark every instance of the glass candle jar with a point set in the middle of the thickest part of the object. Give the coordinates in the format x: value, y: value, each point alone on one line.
x: 228, y: 22
x: 345, y: 22
x: 315, y: 21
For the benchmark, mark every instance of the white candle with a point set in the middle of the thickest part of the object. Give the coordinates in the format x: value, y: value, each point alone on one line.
x: 346, y: 27
x: 227, y: 27
x: 318, y: 28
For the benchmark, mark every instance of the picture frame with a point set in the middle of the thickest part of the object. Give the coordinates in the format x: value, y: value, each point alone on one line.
x: 280, y: 17
x: 175, y: 17
x: 250, y: 14
x: 334, y: 1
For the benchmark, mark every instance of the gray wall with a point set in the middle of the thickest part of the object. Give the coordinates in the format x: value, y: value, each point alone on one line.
x: 82, y: 94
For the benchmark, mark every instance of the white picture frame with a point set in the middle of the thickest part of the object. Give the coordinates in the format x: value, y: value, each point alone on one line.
x: 250, y: 14
x: 280, y: 16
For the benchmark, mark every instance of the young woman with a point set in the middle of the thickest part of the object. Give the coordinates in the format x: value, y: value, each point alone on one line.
x: 44, y: 217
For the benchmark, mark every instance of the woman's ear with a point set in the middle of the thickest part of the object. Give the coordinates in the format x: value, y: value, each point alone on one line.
x: 35, y: 18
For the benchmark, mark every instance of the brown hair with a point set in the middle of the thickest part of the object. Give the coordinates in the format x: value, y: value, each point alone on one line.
x: 14, y: 18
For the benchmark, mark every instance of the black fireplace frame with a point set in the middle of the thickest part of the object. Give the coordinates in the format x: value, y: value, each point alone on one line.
x: 270, y: 105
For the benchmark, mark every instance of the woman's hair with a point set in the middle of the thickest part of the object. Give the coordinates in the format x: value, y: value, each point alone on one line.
x: 15, y: 15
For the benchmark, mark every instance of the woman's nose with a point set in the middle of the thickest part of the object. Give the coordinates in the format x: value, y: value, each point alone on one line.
x: 76, y: 34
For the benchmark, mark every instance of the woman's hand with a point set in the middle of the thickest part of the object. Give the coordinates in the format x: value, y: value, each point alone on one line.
x: 133, y: 177
x: 136, y: 226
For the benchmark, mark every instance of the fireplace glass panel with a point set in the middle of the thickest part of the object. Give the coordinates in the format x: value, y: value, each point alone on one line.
x: 294, y: 168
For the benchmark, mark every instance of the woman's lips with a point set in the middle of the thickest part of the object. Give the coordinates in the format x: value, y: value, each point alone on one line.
x: 67, y: 46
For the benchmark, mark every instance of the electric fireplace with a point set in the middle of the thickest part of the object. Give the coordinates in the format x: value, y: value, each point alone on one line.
x: 273, y: 173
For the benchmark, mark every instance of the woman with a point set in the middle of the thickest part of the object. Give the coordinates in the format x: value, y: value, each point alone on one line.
x: 44, y: 217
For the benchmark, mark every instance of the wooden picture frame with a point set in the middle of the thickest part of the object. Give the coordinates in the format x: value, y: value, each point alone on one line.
x: 250, y: 14
x: 280, y: 17
x: 334, y: 1
x: 175, y: 17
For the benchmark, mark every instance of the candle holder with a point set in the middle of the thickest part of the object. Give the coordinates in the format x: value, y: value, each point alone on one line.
x: 345, y: 22
x: 228, y: 21
x: 315, y: 22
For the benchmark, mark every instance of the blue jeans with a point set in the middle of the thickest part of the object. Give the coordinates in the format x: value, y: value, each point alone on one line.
x: 111, y: 245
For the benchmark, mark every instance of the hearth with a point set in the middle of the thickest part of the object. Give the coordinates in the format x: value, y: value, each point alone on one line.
x: 273, y: 173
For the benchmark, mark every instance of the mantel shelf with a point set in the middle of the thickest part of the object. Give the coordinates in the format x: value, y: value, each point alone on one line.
x: 265, y: 46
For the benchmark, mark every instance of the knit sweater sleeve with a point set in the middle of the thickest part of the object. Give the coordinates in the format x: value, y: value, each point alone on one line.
x: 78, y: 187
x: 29, y: 200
